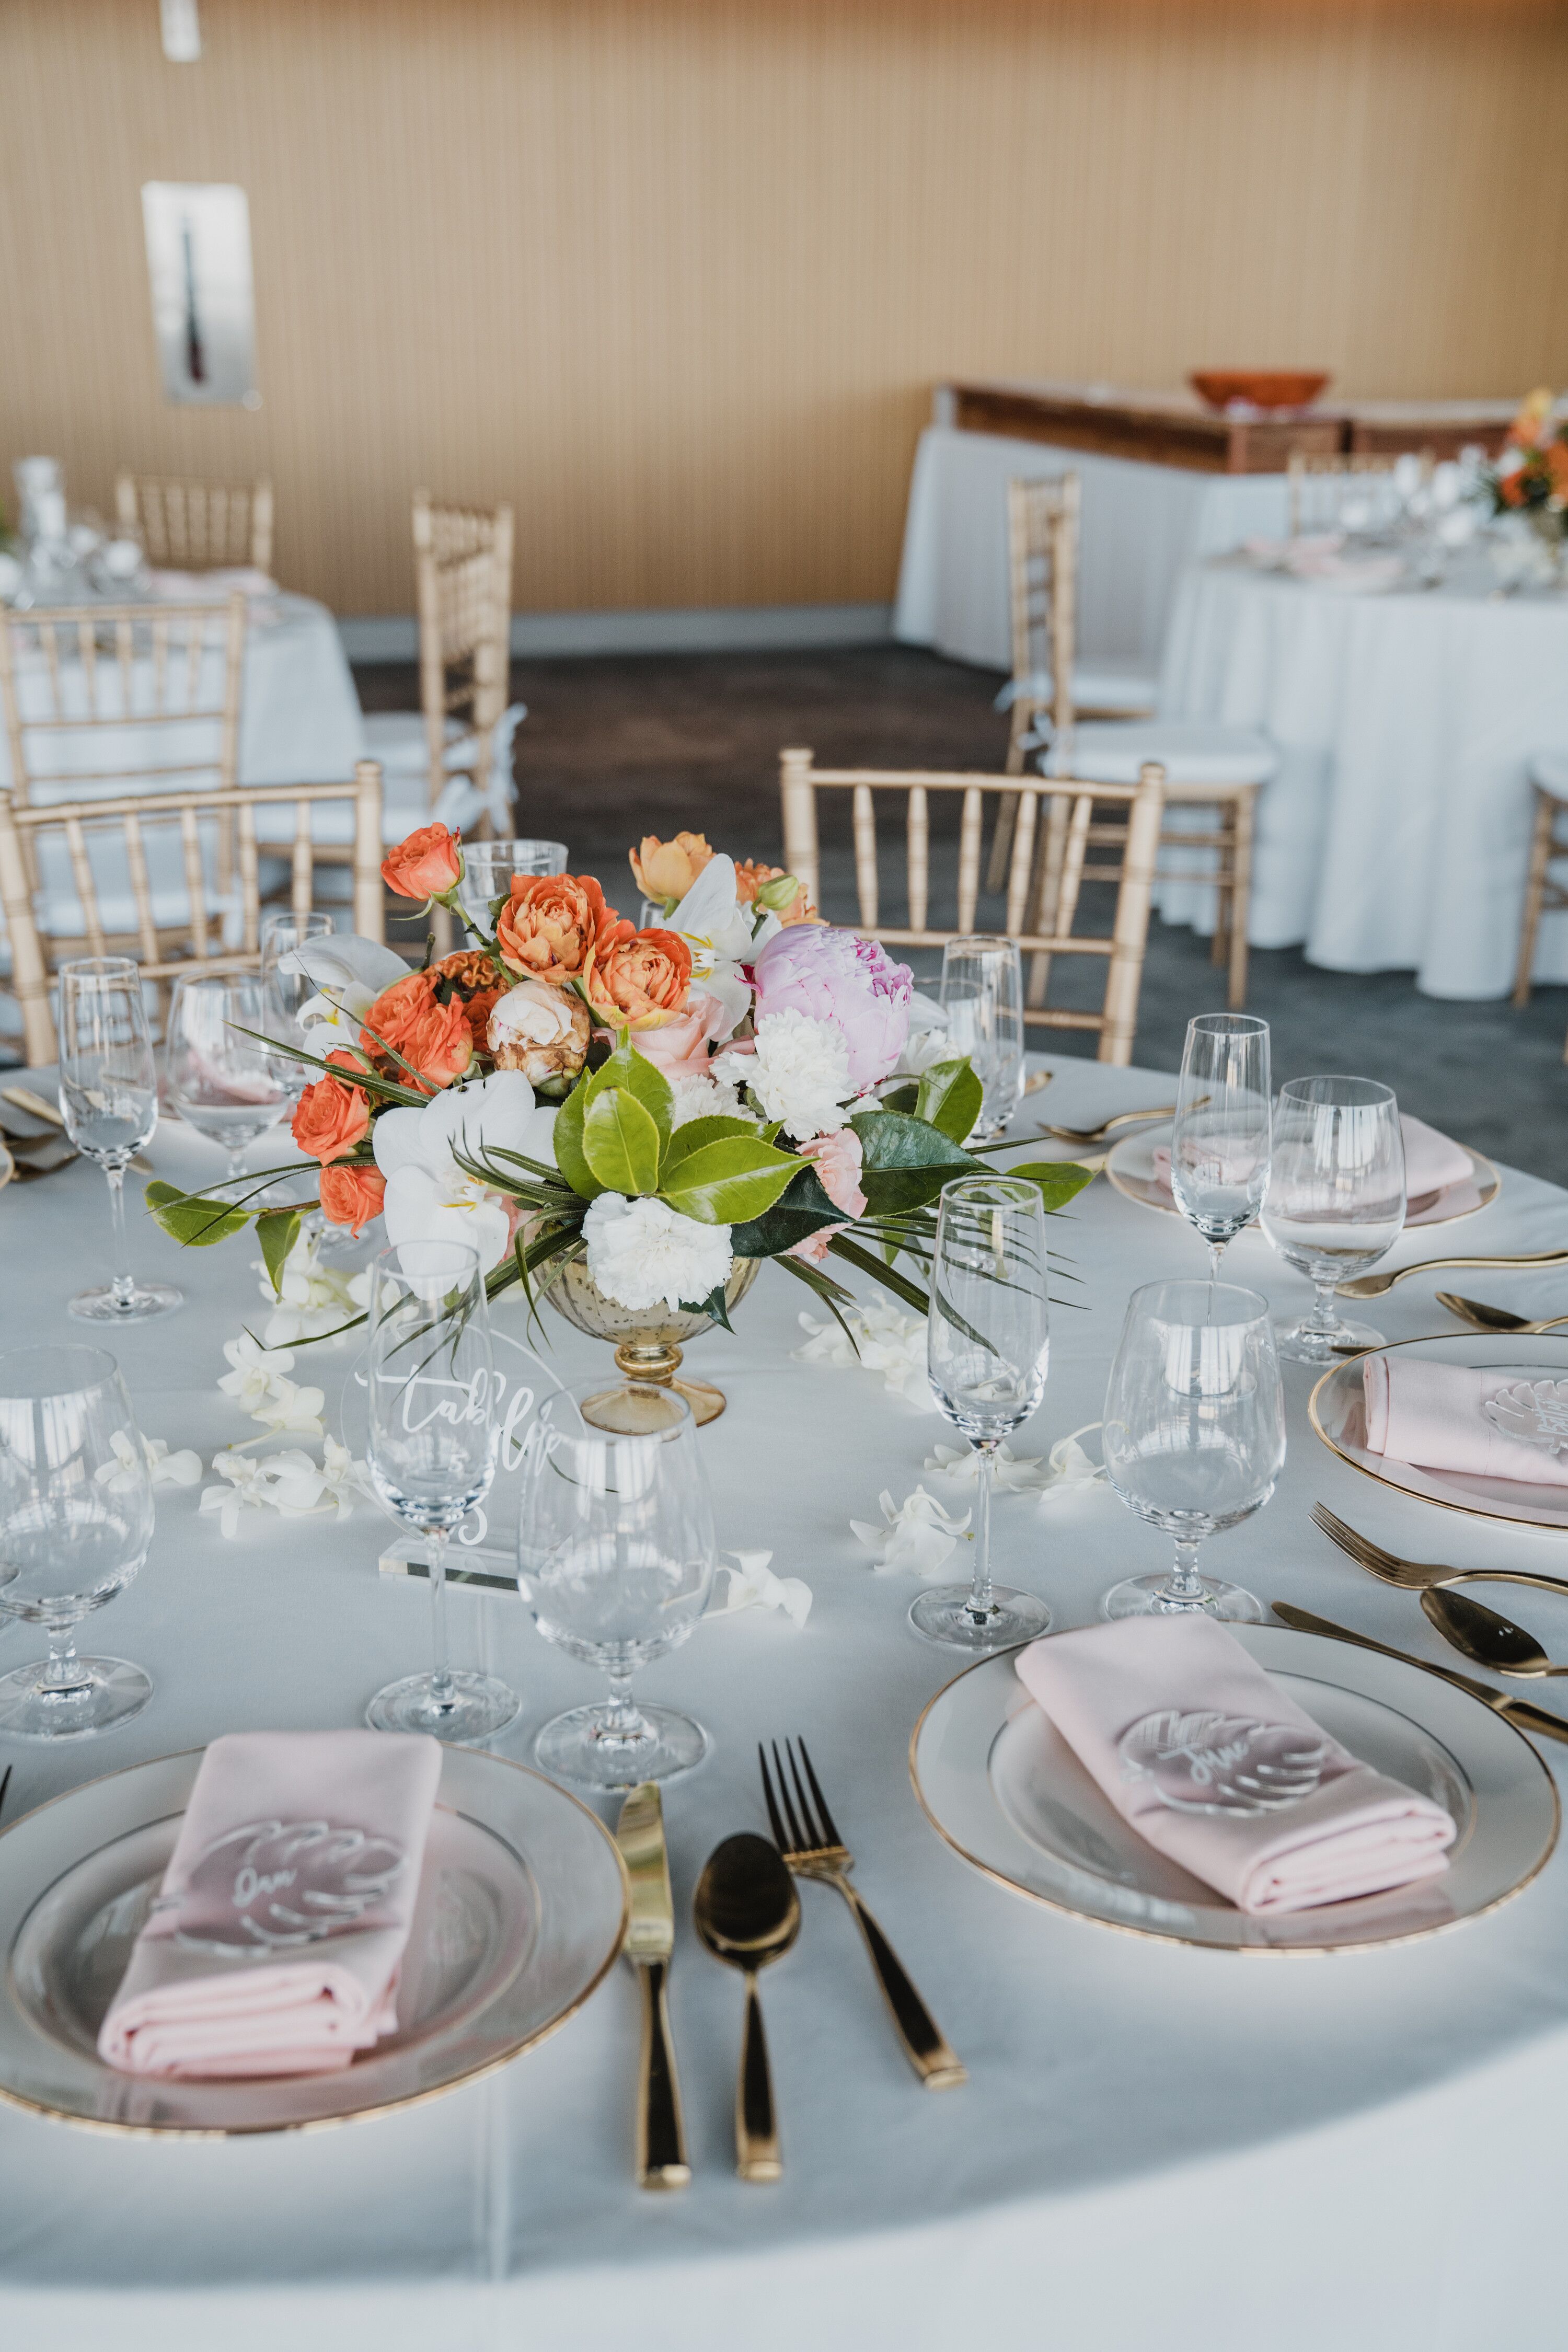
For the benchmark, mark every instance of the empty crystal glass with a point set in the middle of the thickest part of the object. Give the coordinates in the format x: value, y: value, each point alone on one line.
x: 109, y: 1099
x: 1194, y: 1434
x: 1219, y: 1145
x: 223, y: 1079
x: 488, y: 866
x: 983, y: 996
x: 1335, y: 1201
x: 76, y: 1519
x: 615, y: 1559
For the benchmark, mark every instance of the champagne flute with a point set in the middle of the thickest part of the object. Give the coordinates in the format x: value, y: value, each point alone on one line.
x: 615, y: 1559
x: 223, y: 1080
x: 109, y: 1099
x: 983, y: 996
x: 432, y: 1455
x: 288, y: 989
x: 1335, y: 1201
x: 1219, y: 1144
x: 1193, y: 1435
x: 76, y: 1519
x: 987, y: 1350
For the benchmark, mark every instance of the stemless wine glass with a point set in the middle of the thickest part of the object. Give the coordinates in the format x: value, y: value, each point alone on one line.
x: 987, y: 1348
x: 432, y: 1455
x: 1193, y: 1435
x: 1219, y: 1145
x: 223, y: 1079
x: 109, y: 1098
x: 76, y: 1519
x: 615, y: 1559
x: 983, y: 996
x: 1335, y: 1201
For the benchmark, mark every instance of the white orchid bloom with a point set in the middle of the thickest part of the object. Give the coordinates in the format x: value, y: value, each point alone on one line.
x: 753, y: 1585
x: 718, y: 930
x: 886, y: 1340
x: 164, y: 1468
x: 917, y: 1533
x: 256, y: 1371
x: 311, y: 1298
x: 297, y: 1487
x: 246, y: 1489
x: 1066, y: 1468
x: 290, y: 1411
x: 428, y: 1196
x: 350, y: 973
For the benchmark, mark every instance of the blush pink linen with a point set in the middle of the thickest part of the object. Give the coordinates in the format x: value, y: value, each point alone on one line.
x: 1357, y: 1833
x: 189, y: 2013
x: 1432, y: 1161
x: 1430, y: 1414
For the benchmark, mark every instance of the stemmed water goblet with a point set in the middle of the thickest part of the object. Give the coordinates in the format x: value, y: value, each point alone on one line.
x: 983, y: 996
x: 431, y: 1455
x: 1219, y: 1144
x: 1194, y: 1436
x: 1335, y: 1201
x: 288, y: 989
x: 988, y: 1350
x: 109, y: 1099
x: 615, y: 1558
x: 224, y: 1078
x: 76, y: 1519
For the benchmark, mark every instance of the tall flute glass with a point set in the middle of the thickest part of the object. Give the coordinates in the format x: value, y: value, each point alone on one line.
x: 109, y: 1098
x: 1193, y: 1435
x: 983, y: 996
x: 432, y: 1455
x: 987, y: 1351
x: 287, y: 988
x: 76, y: 1519
x: 1219, y: 1145
x: 615, y: 1558
x: 223, y: 1078
x: 1335, y: 1203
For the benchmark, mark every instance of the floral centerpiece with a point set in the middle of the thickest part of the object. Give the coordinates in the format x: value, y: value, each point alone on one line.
x: 1529, y: 478
x: 654, y: 1109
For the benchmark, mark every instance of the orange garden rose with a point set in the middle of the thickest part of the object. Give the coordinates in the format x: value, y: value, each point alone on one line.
x: 475, y: 987
x: 330, y: 1118
x: 551, y: 924
x: 351, y: 1196
x: 426, y: 865
x: 640, y: 981
x: 667, y: 869
x: 751, y: 878
x: 433, y: 1038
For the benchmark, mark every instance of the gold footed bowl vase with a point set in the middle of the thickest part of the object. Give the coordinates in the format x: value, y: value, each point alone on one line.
x: 648, y: 1346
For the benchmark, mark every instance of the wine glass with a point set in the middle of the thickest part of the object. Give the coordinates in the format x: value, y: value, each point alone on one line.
x: 109, y: 1099
x: 1335, y: 1201
x: 987, y: 1348
x: 432, y: 1455
x: 76, y: 1519
x: 488, y: 866
x: 223, y: 1080
x: 1194, y: 1436
x: 1219, y: 1145
x: 615, y: 1559
x: 983, y: 996
x: 287, y: 990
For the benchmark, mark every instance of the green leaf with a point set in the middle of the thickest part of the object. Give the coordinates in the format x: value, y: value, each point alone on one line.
x: 863, y: 1263
x: 716, y: 1306
x: 1060, y: 1181
x: 802, y: 1210
x: 194, y: 1222
x: 950, y: 1097
x: 636, y: 1074
x: 621, y: 1142
x: 728, y: 1180
x: 700, y: 1131
x: 567, y: 1139
x: 903, y: 1098
x: 277, y: 1230
x: 906, y: 1162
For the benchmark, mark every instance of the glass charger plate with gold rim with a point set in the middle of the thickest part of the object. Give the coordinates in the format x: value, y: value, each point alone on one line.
x: 1000, y: 1785
x: 1338, y: 1416
x: 521, y: 1910
x: 1129, y: 1165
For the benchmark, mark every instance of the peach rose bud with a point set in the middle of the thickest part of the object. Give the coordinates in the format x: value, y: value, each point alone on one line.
x: 541, y: 1031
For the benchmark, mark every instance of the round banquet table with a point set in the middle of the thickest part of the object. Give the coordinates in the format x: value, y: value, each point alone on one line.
x: 1157, y: 2145
x: 1395, y: 831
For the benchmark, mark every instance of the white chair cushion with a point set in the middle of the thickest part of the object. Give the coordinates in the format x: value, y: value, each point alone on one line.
x: 396, y: 738
x: 1121, y: 684
x: 1550, y: 769
x: 1191, y: 751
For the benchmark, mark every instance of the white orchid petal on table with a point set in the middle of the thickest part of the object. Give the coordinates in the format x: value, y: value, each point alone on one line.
x: 164, y: 1468
x: 752, y: 1585
x: 919, y: 1535
x: 1067, y: 1468
x: 311, y: 1301
x: 288, y: 1482
x: 889, y: 1342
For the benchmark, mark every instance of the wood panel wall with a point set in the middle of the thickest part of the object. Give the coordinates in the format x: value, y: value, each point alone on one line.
x: 675, y: 276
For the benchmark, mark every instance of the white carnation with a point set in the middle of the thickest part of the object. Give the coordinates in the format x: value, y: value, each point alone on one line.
x: 799, y: 1073
x: 703, y: 1097
x: 643, y: 1254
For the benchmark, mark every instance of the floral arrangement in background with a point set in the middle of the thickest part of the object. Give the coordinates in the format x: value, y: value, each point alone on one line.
x: 1529, y: 477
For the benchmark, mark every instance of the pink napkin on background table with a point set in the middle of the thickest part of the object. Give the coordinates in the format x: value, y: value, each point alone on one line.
x: 1432, y: 1161
x: 276, y: 1940
x: 1434, y: 1415
x: 1207, y: 1758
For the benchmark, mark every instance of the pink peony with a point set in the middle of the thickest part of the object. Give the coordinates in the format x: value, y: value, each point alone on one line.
x: 832, y: 975
x: 680, y: 1047
x: 838, y: 1160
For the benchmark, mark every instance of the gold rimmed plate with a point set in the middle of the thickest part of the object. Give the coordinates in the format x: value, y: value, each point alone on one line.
x: 1131, y: 1168
x: 1002, y: 1786
x: 521, y: 1910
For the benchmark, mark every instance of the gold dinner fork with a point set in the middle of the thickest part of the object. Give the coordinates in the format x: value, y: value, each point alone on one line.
x: 1415, y: 1575
x: 1109, y: 1126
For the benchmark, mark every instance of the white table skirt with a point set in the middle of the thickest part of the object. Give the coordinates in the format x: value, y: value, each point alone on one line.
x: 1157, y: 2146
x: 1395, y: 833
x: 1140, y: 524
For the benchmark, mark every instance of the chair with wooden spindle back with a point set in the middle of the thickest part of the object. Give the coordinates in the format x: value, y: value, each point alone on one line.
x: 801, y: 784
x: 61, y: 898
x: 195, y: 526
x: 1321, y: 487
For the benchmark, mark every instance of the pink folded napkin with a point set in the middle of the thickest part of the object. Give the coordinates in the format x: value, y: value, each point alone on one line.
x: 210, y: 587
x: 1432, y: 1161
x: 275, y: 1942
x: 1448, y: 1417
x: 1213, y: 1763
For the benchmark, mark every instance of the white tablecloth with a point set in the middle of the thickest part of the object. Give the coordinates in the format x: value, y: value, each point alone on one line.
x: 1157, y: 2146
x: 1140, y: 525
x: 1395, y: 835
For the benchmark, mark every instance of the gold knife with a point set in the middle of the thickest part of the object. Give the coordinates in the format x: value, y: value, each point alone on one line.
x: 1372, y: 1286
x: 1523, y: 1712
x: 650, y: 1941
x: 23, y: 1098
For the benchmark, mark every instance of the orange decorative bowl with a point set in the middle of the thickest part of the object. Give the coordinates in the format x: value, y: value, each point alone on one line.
x: 1260, y: 387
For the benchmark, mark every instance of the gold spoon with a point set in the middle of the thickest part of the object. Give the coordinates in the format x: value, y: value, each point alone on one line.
x: 1479, y: 1632
x: 1476, y: 1311
x: 748, y: 1914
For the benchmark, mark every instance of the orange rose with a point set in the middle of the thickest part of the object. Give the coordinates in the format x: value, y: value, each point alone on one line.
x: 551, y: 923
x: 667, y: 869
x: 751, y: 878
x: 1557, y: 468
x: 639, y: 982
x: 351, y: 1196
x: 474, y: 985
x: 426, y: 865
x: 1511, y: 488
x: 330, y: 1118
x: 408, y: 1019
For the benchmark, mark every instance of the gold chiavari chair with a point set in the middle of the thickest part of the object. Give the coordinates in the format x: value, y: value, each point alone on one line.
x: 195, y: 526
x: 1544, y: 893
x: 128, y: 899
x: 1319, y: 487
x: 1115, y: 1024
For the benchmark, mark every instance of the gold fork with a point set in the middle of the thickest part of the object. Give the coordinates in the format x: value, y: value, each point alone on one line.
x: 1415, y: 1575
x: 1108, y: 1126
x: 811, y: 1848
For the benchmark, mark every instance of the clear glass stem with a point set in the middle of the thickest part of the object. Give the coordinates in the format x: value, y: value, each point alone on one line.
x: 63, y: 1676
x: 1184, y: 1588
x: 1216, y: 1252
x: 124, y: 1287
x: 1325, y: 1315
x: 440, y: 1673
x: 620, y: 1724
x: 980, y: 1585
